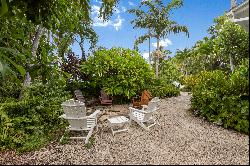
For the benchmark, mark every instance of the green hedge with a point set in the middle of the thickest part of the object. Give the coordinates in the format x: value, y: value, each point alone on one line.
x: 30, y: 123
x: 223, y: 99
x: 162, y: 89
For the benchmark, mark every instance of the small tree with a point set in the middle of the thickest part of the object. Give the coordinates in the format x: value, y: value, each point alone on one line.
x: 156, y: 18
x: 233, y: 44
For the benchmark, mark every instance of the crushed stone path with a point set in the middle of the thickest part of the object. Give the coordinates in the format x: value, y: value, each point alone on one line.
x: 178, y: 138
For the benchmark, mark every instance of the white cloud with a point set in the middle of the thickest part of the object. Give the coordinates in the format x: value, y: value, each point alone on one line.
x: 145, y: 0
x: 163, y: 43
x: 145, y: 55
x: 95, y: 10
x: 100, y: 2
x: 118, y: 23
x: 123, y: 9
x: 131, y: 3
x: 99, y: 22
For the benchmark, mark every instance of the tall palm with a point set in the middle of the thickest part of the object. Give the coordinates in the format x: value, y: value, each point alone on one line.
x: 154, y: 15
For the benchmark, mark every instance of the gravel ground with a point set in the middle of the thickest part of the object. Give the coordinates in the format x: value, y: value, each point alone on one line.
x: 178, y: 138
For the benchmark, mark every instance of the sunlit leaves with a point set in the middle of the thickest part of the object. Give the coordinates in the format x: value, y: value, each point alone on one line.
x: 106, y: 9
x: 119, y: 71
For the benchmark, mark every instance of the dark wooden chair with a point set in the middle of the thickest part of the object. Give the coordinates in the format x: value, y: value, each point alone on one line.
x: 105, y: 99
x: 143, y: 100
x: 79, y: 96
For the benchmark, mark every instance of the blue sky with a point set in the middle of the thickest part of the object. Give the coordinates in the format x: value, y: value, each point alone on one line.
x: 197, y: 15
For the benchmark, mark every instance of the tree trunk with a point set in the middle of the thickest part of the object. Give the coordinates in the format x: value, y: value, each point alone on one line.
x: 157, y: 58
x: 231, y: 63
x: 48, y: 37
x: 149, y: 56
x: 35, y: 44
x: 64, y: 44
x: 82, y: 48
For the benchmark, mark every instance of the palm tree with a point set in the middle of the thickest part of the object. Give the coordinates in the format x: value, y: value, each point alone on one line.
x: 156, y: 18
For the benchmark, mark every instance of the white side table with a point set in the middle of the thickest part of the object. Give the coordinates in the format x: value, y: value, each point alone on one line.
x: 118, y: 122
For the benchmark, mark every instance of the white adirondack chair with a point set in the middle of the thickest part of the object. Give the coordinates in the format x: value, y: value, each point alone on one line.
x: 74, y: 108
x: 75, y: 114
x: 153, y: 104
x: 145, y: 115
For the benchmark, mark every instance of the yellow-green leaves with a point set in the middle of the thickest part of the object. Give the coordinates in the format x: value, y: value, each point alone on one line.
x: 3, y: 8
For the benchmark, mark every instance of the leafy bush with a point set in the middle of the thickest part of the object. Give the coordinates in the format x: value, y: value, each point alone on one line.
x: 162, y: 88
x: 9, y: 89
x: 170, y: 72
x: 223, y: 100
x: 29, y: 123
x: 121, y: 72
x: 190, y: 81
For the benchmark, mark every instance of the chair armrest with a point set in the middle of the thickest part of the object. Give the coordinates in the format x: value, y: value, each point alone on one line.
x: 137, y: 110
x: 136, y: 99
x: 94, y: 115
x: 144, y: 107
x: 72, y: 118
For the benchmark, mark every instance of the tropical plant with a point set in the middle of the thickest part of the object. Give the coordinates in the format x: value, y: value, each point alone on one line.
x: 232, y: 43
x: 161, y: 87
x: 28, y: 123
x: 119, y: 71
x: 156, y: 18
x: 223, y: 99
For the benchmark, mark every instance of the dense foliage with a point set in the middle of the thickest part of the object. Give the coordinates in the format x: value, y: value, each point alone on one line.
x: 162, y: 88
x: 227, y: 41
x: 216, y: 70
x: 31, y: 122
x: 35, y: 64
x: 223, y: 99
x: 118, y: 71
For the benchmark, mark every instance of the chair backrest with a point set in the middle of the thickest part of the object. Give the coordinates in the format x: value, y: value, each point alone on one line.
x: 145, y: 98
x: 152, y: 105
x: 104, y: 96
x: 146, y: 116
x: 156, y: 99
x: 74, y: 108
x: 79, y: 95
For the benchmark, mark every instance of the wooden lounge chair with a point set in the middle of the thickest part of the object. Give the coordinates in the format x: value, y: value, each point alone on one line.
x: 143, y: 100
x: 145, y: 115
x: 105, y: 99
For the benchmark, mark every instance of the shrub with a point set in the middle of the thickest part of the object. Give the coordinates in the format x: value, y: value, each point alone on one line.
x: 190, y: 81
x: 160, y: 88
x: 170, y: 72
x: 121, y: 72
x: 222, y: 99
x: 30, y: 123
x: 9, y: 89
